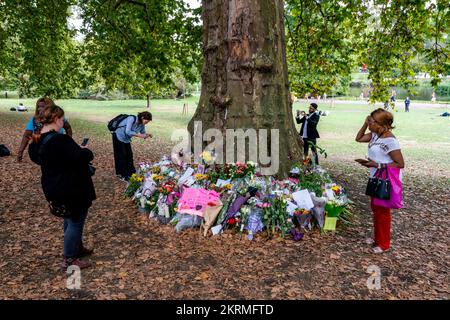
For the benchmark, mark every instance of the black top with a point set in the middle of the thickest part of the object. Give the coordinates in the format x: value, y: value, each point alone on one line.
x: 311, y: 129
x: 65, y: 174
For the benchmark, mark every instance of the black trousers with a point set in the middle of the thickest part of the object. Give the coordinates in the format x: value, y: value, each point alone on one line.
x: 313, y: 148
x: 123, y: 158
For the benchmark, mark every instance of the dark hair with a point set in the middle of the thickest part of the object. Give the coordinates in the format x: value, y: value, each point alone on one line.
x: 314, y: 105
x: 386, y: 118
x: 144, y: 116
x: 47, y: 101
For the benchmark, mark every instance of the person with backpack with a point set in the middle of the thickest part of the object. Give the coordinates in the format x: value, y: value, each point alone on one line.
x: 33, y: 126
x: 123, y: 129
x: 66, y: 181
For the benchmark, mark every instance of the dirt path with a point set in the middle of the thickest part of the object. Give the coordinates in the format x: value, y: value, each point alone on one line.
x: 139, y: 259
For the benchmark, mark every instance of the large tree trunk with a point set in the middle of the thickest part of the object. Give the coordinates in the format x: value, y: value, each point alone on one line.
x: 244, y: 78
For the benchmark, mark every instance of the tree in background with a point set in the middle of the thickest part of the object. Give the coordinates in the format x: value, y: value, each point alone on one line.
x: 321, y: 38
x: 137, y: 46
x: 40, y: 51
x: 328, y: 38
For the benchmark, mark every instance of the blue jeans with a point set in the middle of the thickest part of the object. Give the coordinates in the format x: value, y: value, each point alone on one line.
x: 73, y: 233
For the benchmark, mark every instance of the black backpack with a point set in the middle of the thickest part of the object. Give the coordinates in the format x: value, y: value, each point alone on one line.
x: 113, y: 124
x: 4, y: 151
x: 35, y: 149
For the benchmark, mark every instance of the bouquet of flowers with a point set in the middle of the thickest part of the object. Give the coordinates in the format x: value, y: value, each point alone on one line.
x: 241, y: 170
x: 167, y: 188
x: 143, y: 168
x: 275, y: 217
x: 134, y: 184
x: 336, y: 206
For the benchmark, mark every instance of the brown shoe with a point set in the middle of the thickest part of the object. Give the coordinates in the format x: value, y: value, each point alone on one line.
x: 67, y: 262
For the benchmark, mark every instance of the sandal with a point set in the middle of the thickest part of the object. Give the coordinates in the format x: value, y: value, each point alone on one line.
x: 378, y: 250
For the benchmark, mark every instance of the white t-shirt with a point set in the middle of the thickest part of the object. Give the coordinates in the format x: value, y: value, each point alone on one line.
x: 379, y: 149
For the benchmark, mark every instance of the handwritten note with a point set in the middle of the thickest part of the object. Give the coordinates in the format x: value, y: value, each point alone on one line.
x: 187, y: 174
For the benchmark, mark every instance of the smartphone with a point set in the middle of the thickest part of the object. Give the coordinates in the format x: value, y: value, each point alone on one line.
x: 85, y: 141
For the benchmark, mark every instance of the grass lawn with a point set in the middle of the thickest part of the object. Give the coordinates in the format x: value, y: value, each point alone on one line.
x: 423, y: 134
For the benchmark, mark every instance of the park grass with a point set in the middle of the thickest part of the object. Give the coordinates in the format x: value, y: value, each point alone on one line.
x: 423, y: 134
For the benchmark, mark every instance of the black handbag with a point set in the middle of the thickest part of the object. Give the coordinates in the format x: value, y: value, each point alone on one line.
x: 379, y: 187
x: 59, y: 210
x: 4, y: 151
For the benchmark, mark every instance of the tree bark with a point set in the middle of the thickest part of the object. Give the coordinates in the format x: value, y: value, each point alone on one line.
x: 244, y: 78
x: 148, y: 102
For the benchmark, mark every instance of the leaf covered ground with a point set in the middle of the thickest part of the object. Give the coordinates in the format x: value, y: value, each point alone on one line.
x: 136, y: 258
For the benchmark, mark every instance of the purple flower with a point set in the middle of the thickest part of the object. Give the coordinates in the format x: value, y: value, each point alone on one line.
x: 297, y: 235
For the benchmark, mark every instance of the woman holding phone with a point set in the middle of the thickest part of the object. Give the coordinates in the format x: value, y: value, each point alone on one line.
x: 66, y: 181
x: 383, y: 150
x: 130, y: 127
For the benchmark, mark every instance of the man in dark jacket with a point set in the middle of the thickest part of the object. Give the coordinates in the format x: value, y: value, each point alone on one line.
x: 407, y: 103
x: 308, y: 130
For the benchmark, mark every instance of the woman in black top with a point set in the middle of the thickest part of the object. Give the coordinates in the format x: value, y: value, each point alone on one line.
x: 66, y: 180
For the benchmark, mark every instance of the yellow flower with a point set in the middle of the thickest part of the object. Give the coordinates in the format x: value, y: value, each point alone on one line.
x: 156, y: 169
x: 206, y: 156
x: 335, y: 188
x: 200, y: 176
x: 212, y: 186
x: 228, y: 186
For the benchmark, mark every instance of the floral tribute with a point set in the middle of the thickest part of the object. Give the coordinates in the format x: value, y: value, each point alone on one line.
x: 236, y: 197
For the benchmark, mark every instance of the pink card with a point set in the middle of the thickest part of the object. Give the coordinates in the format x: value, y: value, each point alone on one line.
x: 195, y: 201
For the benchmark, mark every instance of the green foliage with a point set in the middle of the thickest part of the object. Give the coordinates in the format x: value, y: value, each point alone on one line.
x: 38, y: 50
x: 138, y: 46
x: 395, y: 39
x: 313, y: 182
x: 275, y: 217
x: 319, y: 44
x: 147, y: 47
